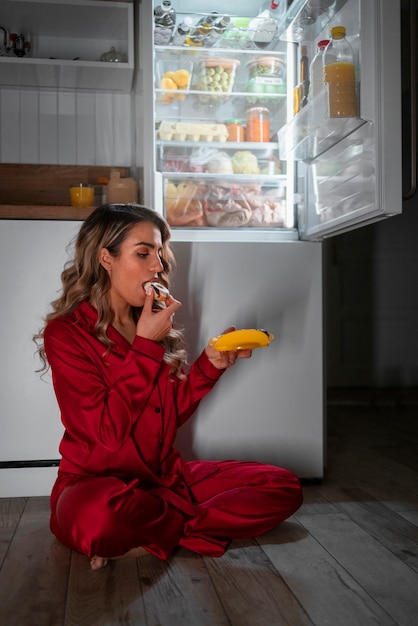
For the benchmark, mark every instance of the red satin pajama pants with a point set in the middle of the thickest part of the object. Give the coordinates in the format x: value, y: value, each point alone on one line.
x: 106, y: 516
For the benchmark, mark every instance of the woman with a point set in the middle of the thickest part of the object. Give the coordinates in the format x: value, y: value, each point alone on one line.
x: 118, y: 372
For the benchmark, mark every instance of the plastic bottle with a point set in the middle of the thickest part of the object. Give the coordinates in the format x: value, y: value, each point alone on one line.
x: 316, y: 69
x: 182, y: 31
x: 217, y: 31
x: 304, y: 76
x: 264, y: 28
x: 164, y: 22
x: 202, y: 30
x: 339, y: 73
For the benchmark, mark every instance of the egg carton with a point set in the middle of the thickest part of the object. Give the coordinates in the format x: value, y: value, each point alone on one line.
x: 183, y: 131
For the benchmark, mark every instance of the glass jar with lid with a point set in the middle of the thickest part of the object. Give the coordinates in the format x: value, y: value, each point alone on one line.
x: 258, y: 124
x: 236, y: 130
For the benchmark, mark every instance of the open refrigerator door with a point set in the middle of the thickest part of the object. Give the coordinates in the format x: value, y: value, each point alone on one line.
x: 227, y: 157
x: 349, y: 170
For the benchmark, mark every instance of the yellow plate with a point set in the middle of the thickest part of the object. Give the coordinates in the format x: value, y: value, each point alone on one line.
x: 244, y: 339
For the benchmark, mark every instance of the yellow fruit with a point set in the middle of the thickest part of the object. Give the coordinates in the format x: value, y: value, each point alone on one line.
x: 244, y: 339
x: 169, y: 75
x: 181, y: 78
x: 168, y: 83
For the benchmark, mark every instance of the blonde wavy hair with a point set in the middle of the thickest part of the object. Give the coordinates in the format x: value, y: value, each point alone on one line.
x: 84, y: 278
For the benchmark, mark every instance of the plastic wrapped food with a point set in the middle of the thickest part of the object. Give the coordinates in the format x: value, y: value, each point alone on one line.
x: 245, y: 162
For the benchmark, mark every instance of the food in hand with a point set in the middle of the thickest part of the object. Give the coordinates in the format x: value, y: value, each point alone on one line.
x: 161, y: 293
x: 244, y: 339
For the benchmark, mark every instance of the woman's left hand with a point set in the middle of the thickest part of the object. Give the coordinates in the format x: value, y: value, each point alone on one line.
x: 225, y: 359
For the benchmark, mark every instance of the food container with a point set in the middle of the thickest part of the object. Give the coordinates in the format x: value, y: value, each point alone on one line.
x: 174, y: 78
x: 217, y: 77
x: 236, y: 130
x: 121, y: 190
x: 258, y: 124
x: 266, y: 79
x: 190, y: 131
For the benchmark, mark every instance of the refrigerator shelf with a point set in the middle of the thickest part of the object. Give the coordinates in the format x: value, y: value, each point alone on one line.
x: 270, y: 146
x: 219, y: 177
x: 312, y: 131
x: 200, y: 52
x: 221, y: 94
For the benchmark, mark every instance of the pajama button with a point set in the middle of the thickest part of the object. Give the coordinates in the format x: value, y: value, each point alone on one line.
x: 158, y: 410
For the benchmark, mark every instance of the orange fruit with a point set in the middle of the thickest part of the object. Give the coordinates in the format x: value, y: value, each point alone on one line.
x: 181, y: 78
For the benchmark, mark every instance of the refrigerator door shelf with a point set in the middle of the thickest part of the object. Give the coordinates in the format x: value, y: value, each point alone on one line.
x: 312, y: 131
x: 306, y: 20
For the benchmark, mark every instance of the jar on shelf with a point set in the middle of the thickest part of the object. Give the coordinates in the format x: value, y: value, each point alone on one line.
x: 258, y: 124
x: 266, y: 79
x: 236, y: 130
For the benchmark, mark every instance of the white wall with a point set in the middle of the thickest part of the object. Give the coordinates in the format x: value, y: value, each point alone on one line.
x: 65, y: 127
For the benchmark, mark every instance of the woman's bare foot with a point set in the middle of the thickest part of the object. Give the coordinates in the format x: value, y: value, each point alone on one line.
x: 97, y: 562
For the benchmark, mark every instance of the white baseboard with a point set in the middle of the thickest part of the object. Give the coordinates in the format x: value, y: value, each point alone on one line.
x: 27, y: 481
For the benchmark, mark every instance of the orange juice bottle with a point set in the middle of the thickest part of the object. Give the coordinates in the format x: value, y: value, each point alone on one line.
x: 339, y: 73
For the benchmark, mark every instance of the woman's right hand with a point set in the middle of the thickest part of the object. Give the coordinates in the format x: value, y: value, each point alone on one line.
x: 155, y: 324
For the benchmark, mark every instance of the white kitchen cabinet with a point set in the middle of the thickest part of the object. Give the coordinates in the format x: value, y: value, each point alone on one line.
x: 68, y: 38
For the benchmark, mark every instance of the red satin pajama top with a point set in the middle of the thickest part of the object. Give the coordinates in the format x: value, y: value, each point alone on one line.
x: 121, y: 411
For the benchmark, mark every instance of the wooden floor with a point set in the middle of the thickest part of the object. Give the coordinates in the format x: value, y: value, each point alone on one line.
x: 348, y: 557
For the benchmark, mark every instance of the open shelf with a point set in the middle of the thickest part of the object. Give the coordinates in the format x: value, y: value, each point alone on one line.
x: 68, y: 38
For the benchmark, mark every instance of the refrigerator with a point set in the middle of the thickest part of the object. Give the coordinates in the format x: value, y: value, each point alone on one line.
x: 247, y: 243
x: 248, y: 218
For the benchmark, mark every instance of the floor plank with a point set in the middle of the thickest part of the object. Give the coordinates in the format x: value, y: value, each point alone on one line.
x: 328, y: 593
x: 389, y: 528
x: 11, y: 510
x: 388, y: 580
x: 33, y: 579
x: 252, y: 590
x: 106, y: 597
x: 180, y: 591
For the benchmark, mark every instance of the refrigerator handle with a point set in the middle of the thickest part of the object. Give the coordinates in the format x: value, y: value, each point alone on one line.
x: 413, y: 83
